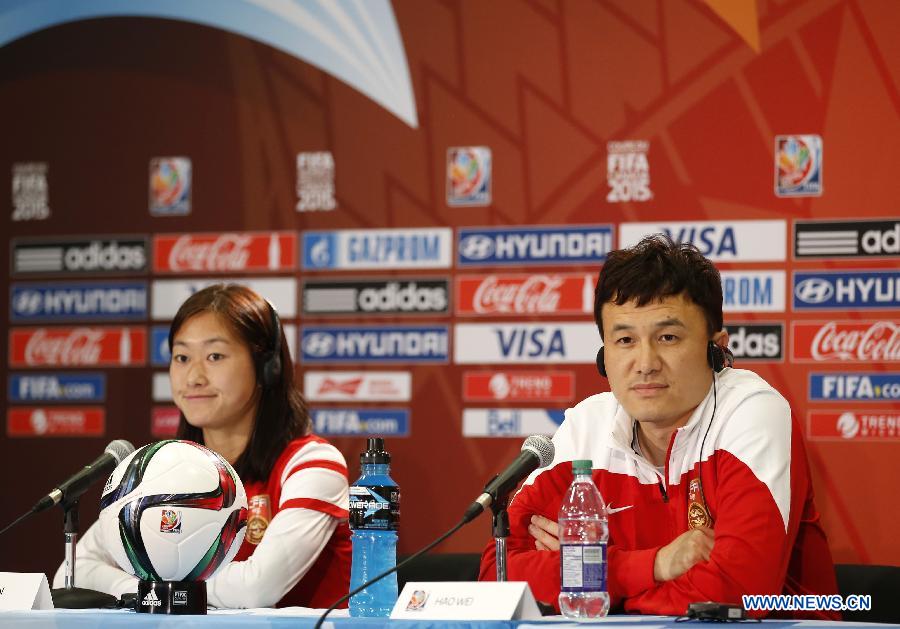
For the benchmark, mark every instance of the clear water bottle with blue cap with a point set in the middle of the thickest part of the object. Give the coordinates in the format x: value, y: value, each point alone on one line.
x: 374, y: 520
x: 583, y: 533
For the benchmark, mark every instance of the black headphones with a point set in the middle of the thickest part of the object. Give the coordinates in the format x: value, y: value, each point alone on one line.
x: 268, y: 367
x: 715, y: 357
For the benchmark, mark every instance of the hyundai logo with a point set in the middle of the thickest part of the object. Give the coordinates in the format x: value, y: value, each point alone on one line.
x: 28, y: 302
x: 319, y: 344
x: 814, y: 290
x: 476, y: 247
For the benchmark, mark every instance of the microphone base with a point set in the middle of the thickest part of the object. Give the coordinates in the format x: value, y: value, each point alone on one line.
x: 82, y: 598
x: 178, y: 598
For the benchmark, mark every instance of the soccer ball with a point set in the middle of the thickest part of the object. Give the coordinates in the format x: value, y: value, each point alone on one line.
x: 173, y: 511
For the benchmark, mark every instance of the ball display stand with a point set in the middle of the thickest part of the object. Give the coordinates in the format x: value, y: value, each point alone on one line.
x: 171, y: 597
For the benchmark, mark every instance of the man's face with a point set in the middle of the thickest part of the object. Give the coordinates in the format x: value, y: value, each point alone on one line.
x: 655, y: 358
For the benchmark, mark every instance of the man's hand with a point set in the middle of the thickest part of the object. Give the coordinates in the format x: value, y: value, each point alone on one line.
x: 545, y: 533
x: 682, y: 554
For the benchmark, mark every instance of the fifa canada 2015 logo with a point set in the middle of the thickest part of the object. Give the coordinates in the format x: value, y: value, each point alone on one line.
x: 628, y: 171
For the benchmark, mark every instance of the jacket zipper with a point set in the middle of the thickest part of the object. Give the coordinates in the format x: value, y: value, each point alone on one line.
x: 662, y: 482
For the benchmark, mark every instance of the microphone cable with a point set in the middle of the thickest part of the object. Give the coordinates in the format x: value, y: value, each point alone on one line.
x: 440, y: 539
x: 17, y: 520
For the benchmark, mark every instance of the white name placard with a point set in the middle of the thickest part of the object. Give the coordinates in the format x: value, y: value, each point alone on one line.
x: 466, y: 600
x: 24, y: 590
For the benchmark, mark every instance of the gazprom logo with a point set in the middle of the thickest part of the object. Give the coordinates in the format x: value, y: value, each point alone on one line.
x: 160, y: 356
x: 319, y: 250
x: 753, y: 291
x: 539, y: 245
x: 358, y: 249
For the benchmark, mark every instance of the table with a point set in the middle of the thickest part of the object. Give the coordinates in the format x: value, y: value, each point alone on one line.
x: 299, y: 618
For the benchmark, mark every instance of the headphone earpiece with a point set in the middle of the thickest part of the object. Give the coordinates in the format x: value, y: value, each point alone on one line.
x: 715, y: 356
x: 601, y: 365
x: 270, y: 360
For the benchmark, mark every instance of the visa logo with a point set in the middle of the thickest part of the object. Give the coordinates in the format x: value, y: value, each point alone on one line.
x: 533, y: 343
x: 711, y: 240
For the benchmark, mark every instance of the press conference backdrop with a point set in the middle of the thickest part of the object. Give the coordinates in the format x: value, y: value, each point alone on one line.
x: 426, y: 192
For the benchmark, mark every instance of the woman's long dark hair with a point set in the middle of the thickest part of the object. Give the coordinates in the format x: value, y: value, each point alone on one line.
x: 282, y: 414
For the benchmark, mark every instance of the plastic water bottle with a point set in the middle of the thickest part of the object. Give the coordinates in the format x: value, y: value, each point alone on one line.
x: 374, y: 519
x: 583, y: 533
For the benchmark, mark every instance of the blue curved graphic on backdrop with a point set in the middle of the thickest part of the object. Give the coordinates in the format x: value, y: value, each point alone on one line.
x: 356, y: 41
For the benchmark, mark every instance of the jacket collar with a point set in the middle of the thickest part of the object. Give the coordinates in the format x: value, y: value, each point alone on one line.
x: 623, y: 425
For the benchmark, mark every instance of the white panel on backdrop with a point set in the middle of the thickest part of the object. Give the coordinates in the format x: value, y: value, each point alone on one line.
x: 532, y: 343
x: 510, y: 422
x: 168, y: 295
x: 720, y: 241
x: 753, y: 291
x: 361, y: 386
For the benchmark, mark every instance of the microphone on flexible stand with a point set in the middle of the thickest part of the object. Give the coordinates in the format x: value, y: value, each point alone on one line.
x: 71, y: 488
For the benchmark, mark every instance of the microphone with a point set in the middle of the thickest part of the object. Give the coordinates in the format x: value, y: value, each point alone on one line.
x: 537, y: 451
x: 78, y: 483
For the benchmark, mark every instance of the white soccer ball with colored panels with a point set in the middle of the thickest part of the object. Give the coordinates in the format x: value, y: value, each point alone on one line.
x: 173, y: 511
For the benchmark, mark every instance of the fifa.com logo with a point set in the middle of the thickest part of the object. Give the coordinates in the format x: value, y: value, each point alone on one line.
x: 806, y: 602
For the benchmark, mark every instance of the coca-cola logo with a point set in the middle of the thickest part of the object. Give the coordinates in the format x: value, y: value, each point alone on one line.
x: 537, y: 294
x: 81, y: 347
x: 228, y: 252
x: 879, y: 342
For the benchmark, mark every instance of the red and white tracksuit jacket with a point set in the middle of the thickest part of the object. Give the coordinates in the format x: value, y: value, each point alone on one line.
x: 756, y: 485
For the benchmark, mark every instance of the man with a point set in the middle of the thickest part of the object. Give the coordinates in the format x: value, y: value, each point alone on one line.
x: 703, y: 470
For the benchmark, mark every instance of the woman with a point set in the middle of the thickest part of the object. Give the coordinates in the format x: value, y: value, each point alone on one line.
x: 233, y: 381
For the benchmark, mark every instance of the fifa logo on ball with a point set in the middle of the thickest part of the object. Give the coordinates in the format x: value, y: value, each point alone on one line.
x: 170, y: 521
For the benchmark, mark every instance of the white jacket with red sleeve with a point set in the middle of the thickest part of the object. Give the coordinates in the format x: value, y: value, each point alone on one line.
x: 756, y: 485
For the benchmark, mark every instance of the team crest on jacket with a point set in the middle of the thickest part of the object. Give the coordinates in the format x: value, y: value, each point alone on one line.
x: 260, y: 516
x: 698, y: 514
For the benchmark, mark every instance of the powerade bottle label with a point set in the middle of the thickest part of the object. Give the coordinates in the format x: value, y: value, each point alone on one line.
x: 583, y: 567
x: 375, y: 507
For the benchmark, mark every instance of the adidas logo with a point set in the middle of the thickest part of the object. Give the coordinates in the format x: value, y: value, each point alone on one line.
x: 151, y: 600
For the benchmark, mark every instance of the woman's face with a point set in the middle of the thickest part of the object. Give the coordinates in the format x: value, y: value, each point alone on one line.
x: 213, y: 376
